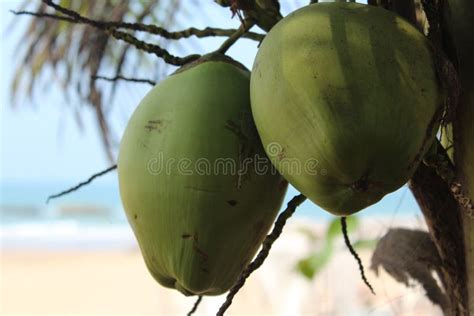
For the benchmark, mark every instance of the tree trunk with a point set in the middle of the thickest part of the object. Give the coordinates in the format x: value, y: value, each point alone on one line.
x: 443, y: 218
x: 450, y: 227
x: 459, y: 17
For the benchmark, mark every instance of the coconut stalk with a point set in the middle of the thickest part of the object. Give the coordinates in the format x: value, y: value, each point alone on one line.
x: 459, y: 17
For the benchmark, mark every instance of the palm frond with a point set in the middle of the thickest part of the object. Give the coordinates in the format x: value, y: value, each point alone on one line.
x: 75, y: 54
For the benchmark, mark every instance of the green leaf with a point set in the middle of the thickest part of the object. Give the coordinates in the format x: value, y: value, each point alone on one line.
x: 365, y: 244
x: 335, y: 229
x: 313, y: 264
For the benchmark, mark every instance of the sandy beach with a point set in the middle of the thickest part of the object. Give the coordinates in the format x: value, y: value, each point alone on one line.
x: 98, y: 282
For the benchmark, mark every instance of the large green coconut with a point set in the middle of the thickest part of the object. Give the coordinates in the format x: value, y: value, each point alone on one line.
x: 194, y: 179
x: 346, y: 101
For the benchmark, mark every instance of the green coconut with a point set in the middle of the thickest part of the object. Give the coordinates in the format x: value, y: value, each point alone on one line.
x: 346, y: 100
x: 196, y: 185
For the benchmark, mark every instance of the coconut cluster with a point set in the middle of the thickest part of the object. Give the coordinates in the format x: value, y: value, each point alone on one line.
x: 342, y: 103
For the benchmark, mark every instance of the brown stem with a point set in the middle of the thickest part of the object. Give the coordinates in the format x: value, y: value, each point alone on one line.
x: 152, y: 29
x: 355, y: 254
x: 262, y: 255
x: 120, y: 77
x: 195, y: 306
x: 443, y: 217
x: 246, y: 24
x: 128, y: 38
x: 80, y: 185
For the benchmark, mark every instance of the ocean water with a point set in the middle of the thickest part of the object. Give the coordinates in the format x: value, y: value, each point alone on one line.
x: 93, y: 218
x: 90, y: 218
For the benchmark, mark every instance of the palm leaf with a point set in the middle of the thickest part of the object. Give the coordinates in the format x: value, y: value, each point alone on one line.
x: 76, y: 53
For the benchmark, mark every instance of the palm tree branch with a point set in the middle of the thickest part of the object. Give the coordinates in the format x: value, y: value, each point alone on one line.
x: 149, y: 28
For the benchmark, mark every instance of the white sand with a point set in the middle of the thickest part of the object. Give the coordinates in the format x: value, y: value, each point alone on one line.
x: 117, y: 283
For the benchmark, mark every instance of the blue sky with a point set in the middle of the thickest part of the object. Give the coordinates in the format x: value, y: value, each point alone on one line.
x: 36, y: 145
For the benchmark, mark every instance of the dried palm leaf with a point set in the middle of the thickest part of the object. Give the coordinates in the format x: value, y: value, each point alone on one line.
x: 76, y: 53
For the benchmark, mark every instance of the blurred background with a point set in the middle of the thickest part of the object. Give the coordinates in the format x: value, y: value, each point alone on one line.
x: 77, y: 254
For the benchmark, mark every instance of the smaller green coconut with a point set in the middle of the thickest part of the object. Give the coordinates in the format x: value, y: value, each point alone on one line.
x: 346, y: 101
x: 196, y: 185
